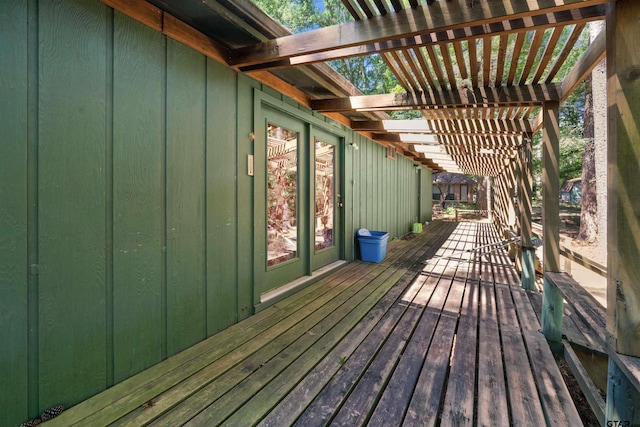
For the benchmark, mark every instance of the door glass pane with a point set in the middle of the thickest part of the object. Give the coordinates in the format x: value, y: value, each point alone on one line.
x: 282, y: 195
x: 325, y: 160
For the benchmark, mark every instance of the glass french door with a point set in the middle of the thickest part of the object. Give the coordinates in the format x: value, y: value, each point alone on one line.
x: 327, y: 204
x: 297, y: 200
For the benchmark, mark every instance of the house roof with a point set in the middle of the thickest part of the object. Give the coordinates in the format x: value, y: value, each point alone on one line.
x: 458, y: 61
x: 569, y: 184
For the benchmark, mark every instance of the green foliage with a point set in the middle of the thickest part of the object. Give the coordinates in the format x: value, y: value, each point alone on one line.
x: 368, y: 73
x: 304, y: 15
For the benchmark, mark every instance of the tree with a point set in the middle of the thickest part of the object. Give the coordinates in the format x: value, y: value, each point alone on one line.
x: 368, y: 73
x: 588, y: 213
x: 484, y: 187
x: 443, y: 181
x: 599, y: 98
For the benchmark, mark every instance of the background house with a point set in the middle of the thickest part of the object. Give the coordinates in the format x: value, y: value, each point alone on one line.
x: 456, y: 186
x: 571, y: 191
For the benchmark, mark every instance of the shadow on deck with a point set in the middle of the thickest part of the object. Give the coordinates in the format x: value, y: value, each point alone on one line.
x: 436, y: 334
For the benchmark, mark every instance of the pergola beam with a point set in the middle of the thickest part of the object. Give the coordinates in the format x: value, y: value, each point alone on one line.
x: 404, y: 26
x: 595, y: 53
x: 444, y: 127
x: 487, y: 96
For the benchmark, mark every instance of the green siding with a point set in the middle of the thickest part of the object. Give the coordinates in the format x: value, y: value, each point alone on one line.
x: 185, y: 198
x: 385, y: 192
x: 138, y: 87
x: 13, y: 212
x: 426, y: 190
x: 126, y: 195
x: 71, y: 203
x: 221, y: 198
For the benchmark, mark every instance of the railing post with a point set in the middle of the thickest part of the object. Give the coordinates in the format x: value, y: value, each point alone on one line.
x: 552, y: 303
x: 528, y: 273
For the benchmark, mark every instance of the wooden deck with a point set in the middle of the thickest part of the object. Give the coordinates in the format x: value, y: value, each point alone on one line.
x: 434, y: 335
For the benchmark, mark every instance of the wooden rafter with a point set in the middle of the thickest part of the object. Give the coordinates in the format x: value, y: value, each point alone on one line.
x: 445, y: 127
x: 505, y: 96
x: 423, y: 25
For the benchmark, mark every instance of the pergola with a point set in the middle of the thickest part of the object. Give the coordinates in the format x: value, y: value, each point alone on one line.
x: 481, y: 106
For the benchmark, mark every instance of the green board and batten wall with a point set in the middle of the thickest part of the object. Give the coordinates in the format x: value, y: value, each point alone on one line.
x: 125, y: 208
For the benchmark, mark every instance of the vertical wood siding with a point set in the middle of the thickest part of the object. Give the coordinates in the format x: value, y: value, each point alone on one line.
x: 138, y: 198
x: 71, y: 200
x: 14, y: 211
x: 126, y: 213
x: 385, y: 192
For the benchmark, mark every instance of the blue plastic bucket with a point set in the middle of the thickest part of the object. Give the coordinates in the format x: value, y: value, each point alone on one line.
x: 373, y: 245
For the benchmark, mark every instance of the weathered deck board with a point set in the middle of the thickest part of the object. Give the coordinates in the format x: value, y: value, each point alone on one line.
x: 425, y: 399
x: 492, y: 393
x: 438, y: 333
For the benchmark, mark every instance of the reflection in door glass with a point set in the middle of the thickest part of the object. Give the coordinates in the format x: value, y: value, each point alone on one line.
x: 282, y: 194
x: 324, y: 195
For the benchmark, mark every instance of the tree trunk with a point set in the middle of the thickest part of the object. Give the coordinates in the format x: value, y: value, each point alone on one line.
x: 444, y: 192
x: 588, y: 214
x: 481, y: 199
x: 599, y: 94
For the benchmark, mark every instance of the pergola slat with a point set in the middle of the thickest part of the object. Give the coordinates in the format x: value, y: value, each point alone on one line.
x: 566, y: 49
x: 531, y: 57
x: 548, y: 52
x: 515, y: 56
x: 502, y: 53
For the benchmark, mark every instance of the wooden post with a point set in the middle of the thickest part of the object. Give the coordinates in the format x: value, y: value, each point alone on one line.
x: 623, y: 217
x: 528, y: 273
x: 552, y: 303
